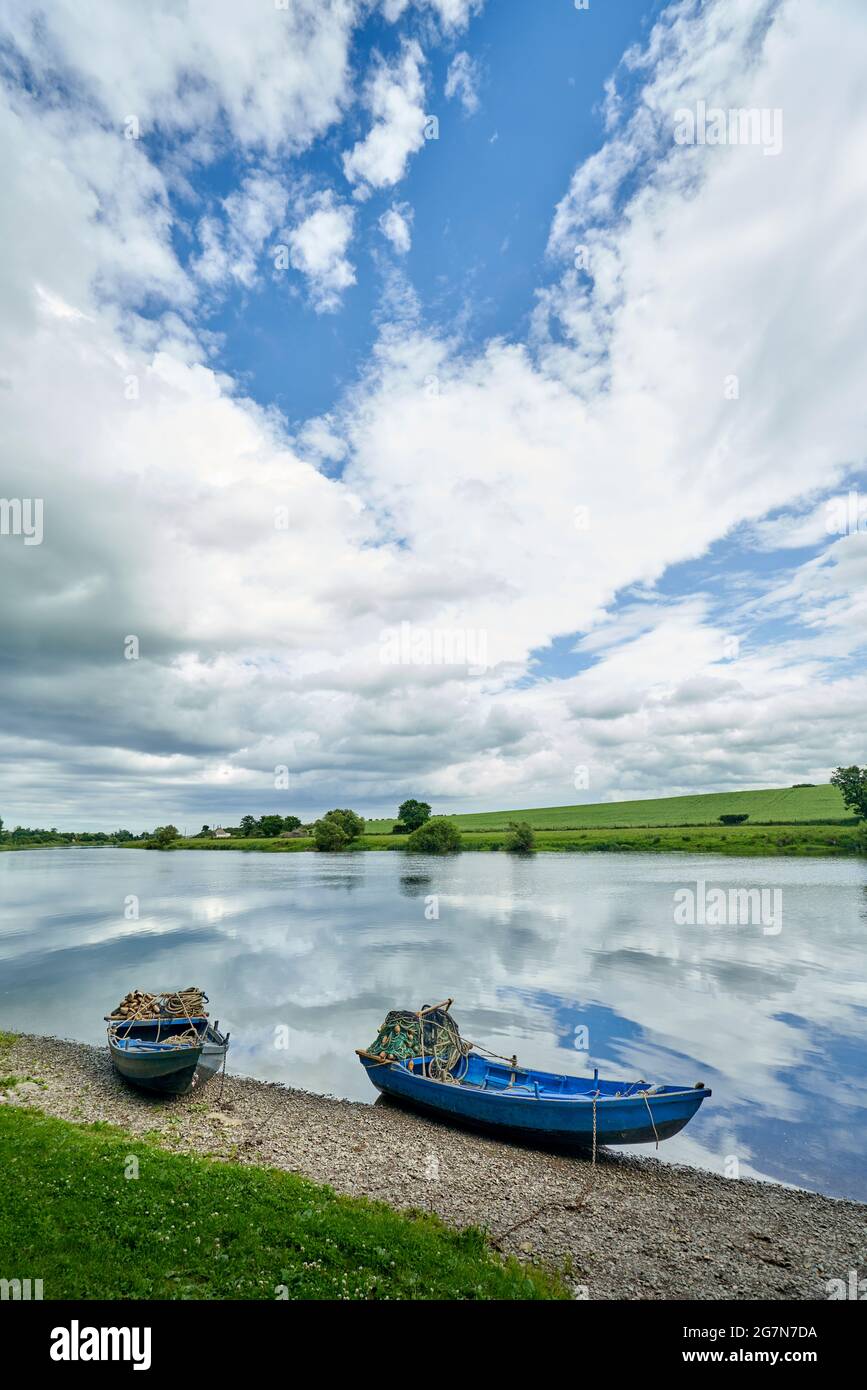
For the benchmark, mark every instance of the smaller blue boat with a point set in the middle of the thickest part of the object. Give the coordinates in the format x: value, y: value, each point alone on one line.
x: 421, y: 1060
x: 160, y: 1048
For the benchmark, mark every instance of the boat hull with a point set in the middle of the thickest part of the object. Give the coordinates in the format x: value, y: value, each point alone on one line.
x: 169, y: 1071
x: 637, y: 1119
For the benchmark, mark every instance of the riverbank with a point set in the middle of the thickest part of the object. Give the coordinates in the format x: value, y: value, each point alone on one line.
x: 628, y: 1228
x: 747, y: 841
x: 103, y: 1214
x: 799, y: 821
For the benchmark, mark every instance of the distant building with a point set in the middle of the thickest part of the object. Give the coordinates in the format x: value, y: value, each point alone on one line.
x: 221, y: 834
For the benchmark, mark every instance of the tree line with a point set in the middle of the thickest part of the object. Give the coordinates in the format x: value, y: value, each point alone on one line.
x: 336, y: 830
x: 28, y: 835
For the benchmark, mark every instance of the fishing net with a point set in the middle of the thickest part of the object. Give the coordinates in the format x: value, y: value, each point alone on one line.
x: 431, y: 1034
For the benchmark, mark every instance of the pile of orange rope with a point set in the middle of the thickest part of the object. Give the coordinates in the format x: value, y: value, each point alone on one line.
x: 139, y: 1006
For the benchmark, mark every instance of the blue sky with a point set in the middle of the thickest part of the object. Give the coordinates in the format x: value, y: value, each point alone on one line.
x: 290, y: 380
x: 481, y: 194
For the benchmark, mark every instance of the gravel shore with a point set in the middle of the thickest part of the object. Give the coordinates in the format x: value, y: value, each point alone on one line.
x: 628, y: 1228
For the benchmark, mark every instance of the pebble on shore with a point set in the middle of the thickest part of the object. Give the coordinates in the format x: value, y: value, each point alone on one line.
x: 628, y: 1228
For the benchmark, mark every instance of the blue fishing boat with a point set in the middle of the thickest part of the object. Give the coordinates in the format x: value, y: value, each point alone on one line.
x: 158, y: 1046
x: 421, y: 1060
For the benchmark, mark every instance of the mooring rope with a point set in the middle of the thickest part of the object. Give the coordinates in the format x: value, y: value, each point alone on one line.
x: 650, y: 1113
x: 222, y: 1079
x: 512, y: 1061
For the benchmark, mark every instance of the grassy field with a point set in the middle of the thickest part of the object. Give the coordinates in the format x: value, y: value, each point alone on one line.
x: 783, y: 820
x: 785, y: 805
x: 191, y: 1228
x: 711, y: 839
x: 750, y: 840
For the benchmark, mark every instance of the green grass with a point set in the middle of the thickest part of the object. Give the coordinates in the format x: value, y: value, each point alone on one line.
x: 731, y: 840
x: 804, y: 839
x: 784, y: 820
x: 713, y: 839
x: 786, y: 805
x: 194, y: 1228
x: 787, y: 821
x: 270, y: 846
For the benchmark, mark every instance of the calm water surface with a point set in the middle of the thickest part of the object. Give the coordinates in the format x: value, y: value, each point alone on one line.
x: 532, y: 950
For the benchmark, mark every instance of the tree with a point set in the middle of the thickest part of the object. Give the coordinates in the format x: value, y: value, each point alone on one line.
x: 291, y: 823
x: 1, y: 827
x: 521, y: 839
x: 248, y: 825
x: 851, y: 782
x: 329, y: 835
x: 204, y: 832
x: 435, y: 836
x: 350, y: 822
x: 732, y: 819
x: 163, y: 837
x: 413, y: 813
x: 269, y: 826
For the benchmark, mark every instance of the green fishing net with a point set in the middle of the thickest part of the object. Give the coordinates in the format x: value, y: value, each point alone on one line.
x: 433, y: 1034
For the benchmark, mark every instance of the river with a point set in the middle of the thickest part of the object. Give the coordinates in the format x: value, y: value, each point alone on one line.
x: 572, y: 961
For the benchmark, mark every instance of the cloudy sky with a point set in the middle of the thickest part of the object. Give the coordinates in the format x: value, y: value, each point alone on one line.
x: 394, y: 404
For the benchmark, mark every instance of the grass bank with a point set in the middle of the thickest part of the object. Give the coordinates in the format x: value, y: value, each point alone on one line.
x: 8, y: 845
x: 777, y: 805
x: 747, y: 840
x: 631, y: 1227
x: 808, y: 820
x: 188, y: 1227
x: 734, y: 840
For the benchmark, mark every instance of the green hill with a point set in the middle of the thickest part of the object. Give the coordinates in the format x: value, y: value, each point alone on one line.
x: 780, y: 806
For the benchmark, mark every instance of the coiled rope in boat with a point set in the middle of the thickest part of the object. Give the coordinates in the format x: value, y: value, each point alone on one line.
x: 166, y: 1006
x: 182, y: 1003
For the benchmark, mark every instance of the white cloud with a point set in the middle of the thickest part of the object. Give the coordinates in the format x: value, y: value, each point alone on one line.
x: 395, y: 225
x: 456, y: 14
x: 275, y: 78
x: 845, y: 511
x: 104, y: 188
x: 317, y: 248
x: 462, y: 81
x: 461, y: 472
x: 320, y: 439
x: 452, y: 14
x: 231, y: 246
x: 394, y: 95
